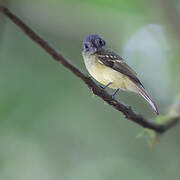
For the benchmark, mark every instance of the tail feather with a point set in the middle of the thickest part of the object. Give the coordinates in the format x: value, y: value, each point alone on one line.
x: 145, y: 95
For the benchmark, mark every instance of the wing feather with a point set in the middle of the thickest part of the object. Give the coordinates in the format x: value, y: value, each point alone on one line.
x: 117, y: 63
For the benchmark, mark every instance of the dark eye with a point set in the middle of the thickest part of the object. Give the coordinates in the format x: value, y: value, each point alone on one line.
x: 86, y: 46
x: 101, y: 42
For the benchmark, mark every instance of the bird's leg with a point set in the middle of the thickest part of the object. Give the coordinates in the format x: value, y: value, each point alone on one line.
x: 104, y: 87
x: 115, y: 92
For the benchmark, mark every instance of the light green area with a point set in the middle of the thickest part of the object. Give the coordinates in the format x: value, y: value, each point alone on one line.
x: 51, y: 126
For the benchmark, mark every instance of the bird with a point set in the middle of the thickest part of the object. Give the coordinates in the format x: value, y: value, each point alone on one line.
x: 110, y: 69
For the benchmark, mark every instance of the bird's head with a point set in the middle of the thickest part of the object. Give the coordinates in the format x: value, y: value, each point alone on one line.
x: 92, y: 43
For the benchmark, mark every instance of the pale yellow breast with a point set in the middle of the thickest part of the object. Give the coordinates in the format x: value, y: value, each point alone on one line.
x: 105, y: 74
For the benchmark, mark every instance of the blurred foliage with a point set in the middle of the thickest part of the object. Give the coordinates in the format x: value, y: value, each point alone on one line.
x: 51, y: 126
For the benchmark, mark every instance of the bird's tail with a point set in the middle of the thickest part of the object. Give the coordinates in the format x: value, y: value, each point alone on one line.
x: 145, y: 95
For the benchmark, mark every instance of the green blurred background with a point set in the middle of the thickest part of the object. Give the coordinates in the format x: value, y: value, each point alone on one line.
x: 51, y: 126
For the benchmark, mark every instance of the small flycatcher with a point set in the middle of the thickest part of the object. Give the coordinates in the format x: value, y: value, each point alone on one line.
x: 110, y: 69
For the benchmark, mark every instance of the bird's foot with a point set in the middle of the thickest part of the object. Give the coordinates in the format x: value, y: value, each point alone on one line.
x: 104, y: 87
x: 115, y: 92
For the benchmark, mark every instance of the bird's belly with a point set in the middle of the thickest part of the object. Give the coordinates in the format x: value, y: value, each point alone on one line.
x: 105, y: 75
x: 108, y: 75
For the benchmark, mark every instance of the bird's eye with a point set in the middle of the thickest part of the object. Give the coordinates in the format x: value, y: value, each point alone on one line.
x: 86, y: 46
x: 101, y: 42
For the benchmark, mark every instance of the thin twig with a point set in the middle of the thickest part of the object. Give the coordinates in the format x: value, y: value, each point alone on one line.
x: 127, y: 111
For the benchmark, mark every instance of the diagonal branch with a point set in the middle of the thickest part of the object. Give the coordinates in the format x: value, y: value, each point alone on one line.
x: 127, y: 111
